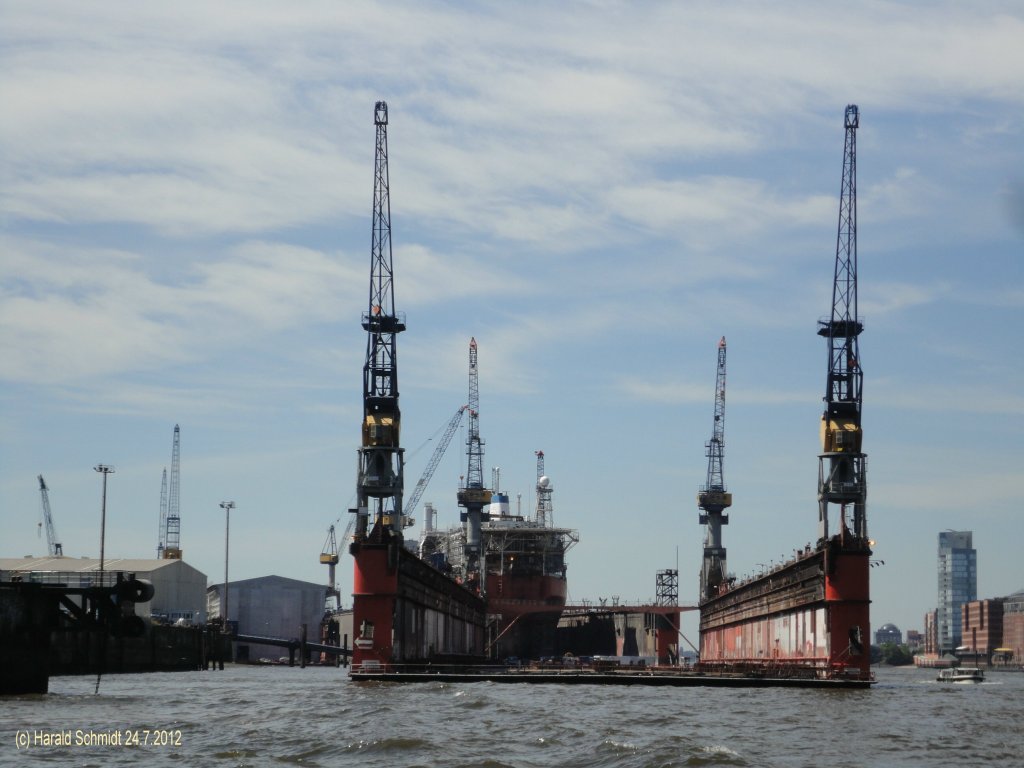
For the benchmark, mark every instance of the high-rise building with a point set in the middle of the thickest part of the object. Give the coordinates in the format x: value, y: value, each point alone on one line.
x: 958, y: 584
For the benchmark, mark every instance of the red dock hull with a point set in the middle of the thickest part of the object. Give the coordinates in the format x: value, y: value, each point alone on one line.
x: 809, y: 617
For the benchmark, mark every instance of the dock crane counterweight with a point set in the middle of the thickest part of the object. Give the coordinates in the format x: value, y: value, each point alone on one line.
x: 713, y: 498
x: 842, y: 466
x: 381, y: 458
x: 54, y: 546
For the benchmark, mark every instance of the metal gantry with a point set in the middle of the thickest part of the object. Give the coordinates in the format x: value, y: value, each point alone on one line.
x: 842, y: 464
x: 713, y: 498
x: 381, y: 459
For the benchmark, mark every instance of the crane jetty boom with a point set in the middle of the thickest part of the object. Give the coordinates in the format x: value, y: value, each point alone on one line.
x: 404, y: 611
x: 807, y: 617
x: 53, y: 545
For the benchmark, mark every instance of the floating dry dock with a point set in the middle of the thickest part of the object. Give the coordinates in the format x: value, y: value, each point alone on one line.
x: 666, y: 677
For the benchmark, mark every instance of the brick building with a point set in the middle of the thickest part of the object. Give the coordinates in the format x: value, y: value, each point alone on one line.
x: 981, y: 623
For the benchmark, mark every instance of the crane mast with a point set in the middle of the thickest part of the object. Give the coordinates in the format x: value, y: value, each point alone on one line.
x: 842, y: 466
x: 172, y: 549
x: 54, y: 546
x: 161, y: 538
x: 713, y: 498
x: 473, y: 496
x: 381, y: 459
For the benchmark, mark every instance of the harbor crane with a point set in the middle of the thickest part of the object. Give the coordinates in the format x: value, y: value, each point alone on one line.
x: 473, y: 497
x: 435, y: 459
x: 329, y: 557
x: 172, y: 525
x: 713, y: 498
x: 842, y: 464
x: 54, y: 546
x: 161, y: 538
x: 381, y: 457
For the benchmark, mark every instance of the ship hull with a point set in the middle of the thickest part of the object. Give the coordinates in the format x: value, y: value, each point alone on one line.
x: 806, y: 618
x: 526, y: 609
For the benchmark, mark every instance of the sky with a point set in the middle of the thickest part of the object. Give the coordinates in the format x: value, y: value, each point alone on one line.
x: 596, y: 191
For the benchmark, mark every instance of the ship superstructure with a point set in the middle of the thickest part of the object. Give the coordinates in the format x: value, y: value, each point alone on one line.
x: 526, y: 573
x: 810, y: 616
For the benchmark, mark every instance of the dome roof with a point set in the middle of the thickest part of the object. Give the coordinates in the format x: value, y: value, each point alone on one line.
x: 888, y: 628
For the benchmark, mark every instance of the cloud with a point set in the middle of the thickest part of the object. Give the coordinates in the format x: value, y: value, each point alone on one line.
x: 79, y: 313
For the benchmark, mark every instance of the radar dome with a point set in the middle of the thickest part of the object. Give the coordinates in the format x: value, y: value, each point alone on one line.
x: 544, y: 481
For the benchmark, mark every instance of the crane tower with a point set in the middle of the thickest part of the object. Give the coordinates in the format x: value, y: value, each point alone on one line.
x: 713, y: 498
x: 842, y: 465
x: 381, y: 458
x: 473, y: 496
x: 172, y: 541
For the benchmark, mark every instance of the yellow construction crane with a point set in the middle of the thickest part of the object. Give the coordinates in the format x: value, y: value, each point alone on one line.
x: 329, y: 557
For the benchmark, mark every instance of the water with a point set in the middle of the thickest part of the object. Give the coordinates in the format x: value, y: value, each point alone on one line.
x: 255, y: 716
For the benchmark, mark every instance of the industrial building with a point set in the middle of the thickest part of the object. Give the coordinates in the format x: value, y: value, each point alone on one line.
x: 269, y: 606
x: 180, y: 589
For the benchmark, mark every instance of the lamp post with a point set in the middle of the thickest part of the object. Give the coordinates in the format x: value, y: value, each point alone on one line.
x: 227, y: 506
x: 104, y: 470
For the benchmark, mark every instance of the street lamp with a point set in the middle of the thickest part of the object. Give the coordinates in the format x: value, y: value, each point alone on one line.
x: 227, y: 506
x: 104, y: 470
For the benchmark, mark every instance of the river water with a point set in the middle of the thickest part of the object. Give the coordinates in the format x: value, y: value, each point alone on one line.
x: 255, y: 716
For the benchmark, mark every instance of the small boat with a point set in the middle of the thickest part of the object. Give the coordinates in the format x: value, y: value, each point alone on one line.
x: 961, y: 675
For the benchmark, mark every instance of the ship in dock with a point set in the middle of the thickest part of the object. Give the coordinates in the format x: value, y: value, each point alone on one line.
x: 491, y: 588
x: 807, y: 618
x: 524, y: 570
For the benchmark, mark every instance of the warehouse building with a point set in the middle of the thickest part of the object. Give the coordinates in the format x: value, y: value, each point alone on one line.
x: 269, y: 606
x: 180, y: 589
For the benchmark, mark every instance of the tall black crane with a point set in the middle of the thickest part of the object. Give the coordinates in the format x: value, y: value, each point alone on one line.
x: 713, y: 498
x: 381, y: 458
x: 842, y: 465
x: 473, y: 497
